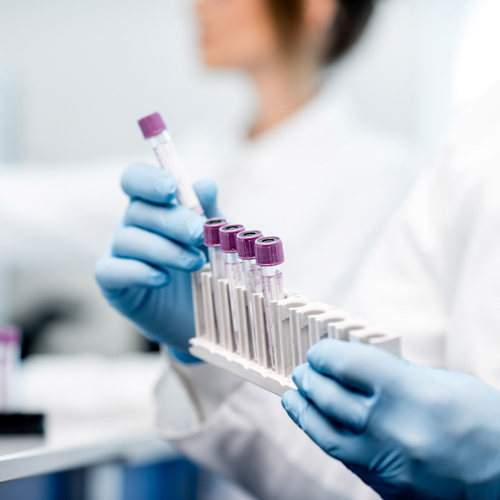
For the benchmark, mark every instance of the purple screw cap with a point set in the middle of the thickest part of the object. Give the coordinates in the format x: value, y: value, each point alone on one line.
x: 211, y: 231
x: 245, y: 243
x: 227, y: 235
x: 10, y: 335
x: 152, y: 125
x: 269, y: 251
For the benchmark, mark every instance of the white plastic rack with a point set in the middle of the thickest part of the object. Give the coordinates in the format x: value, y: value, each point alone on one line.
x: 299, y: 323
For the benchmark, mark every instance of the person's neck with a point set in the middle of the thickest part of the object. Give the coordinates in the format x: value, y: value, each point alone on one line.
x: 281, y: 90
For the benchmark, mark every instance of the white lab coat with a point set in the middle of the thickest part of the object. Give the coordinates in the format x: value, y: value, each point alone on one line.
x: 327, y: 186
x: 435, y: 275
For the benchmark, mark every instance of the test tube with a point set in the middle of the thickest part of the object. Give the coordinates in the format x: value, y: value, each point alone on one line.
x: 234, y: 272
x: 269, y: 256
x: 10, y: 356
x: 155, y: 131
x: 245, y: 243
x: 211, y: 239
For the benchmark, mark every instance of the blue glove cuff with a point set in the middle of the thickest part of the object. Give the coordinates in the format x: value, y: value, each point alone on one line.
x: 184, y: 358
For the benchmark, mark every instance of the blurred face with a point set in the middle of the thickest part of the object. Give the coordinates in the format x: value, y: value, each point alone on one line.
x: 237, y: 33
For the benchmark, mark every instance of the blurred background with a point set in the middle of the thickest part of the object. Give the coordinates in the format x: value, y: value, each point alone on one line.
x: 74, y: 78
x: 76, y: 75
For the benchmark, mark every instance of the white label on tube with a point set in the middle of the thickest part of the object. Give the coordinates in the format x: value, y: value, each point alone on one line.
x: 217, y: 266
x: 170, y: 161
x: 254, y: 277
x: 253, y: 283
x: 272, y: 288
x: 234, y: 274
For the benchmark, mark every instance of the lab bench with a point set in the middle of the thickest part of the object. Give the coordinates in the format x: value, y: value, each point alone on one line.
x: 94, y: 460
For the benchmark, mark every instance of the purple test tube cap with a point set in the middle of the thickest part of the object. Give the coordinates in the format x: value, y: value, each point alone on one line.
x: 245, y: 243
x: 227, y: 235
x: 152, y: 125
x: 269, y: 251
x: 10, y: 334
x: 211, y: 231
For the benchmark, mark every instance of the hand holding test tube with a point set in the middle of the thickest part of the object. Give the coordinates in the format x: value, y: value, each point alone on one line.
x: 145, y: 272
x: 155, y: 131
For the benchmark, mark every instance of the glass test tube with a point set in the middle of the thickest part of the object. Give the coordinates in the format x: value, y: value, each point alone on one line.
x: 155, y: 131
x: 10, y: 357
x: 245, y: 243
x: 234, y: 273
x: 211, y: 240
x: 269, y: 256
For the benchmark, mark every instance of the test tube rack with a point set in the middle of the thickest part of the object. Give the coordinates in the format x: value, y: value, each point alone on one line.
x: 299, y: 323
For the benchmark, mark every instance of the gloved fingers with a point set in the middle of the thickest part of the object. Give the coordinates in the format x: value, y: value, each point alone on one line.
x: 149, y: 183
x: 206, y: 190
x: 131, y: 242
x: 154, y: 184
x: 114, y: 274
x: 346, y: 407
x: 359, y: 365
x: 334, y: 440
x: 173, y: 221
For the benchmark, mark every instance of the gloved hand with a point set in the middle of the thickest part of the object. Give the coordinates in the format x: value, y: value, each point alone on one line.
x: 407, y: 431
x: 146, y: 273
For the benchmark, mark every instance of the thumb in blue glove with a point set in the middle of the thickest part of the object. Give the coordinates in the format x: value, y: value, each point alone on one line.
x: 407, y: 431
x: 146, y: 272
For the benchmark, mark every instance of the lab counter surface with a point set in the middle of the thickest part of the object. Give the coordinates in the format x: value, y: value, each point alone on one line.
x: 98, y: 410
x: 70, y: 446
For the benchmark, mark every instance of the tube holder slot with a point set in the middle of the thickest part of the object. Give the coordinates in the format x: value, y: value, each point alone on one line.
x: 299, y: 322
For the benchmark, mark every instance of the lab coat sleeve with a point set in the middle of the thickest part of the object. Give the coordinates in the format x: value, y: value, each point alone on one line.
x: 399, y: 286
x: 241, y: 431
x: 434, y: 273
x: 473, y: 335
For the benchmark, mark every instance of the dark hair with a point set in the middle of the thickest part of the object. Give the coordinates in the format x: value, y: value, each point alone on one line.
x: 350, y: 22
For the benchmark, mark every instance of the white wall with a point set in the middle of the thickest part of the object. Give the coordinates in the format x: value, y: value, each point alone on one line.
x: 402, y: 72
x: 87, y: 69
x: 10, y: 119
x: 478, y: 61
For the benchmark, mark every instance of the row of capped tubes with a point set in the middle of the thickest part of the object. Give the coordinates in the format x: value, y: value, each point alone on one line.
x: 300, y: 322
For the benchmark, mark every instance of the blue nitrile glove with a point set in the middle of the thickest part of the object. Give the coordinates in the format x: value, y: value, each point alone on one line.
x: 146, y: 273
x: 406, y: 430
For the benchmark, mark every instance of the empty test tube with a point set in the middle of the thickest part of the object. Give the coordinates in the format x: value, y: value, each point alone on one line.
x: 10, y: 357
x: 155, y: 131
x: 269, y: 256
x: 234, y: 272
x: 211, y: 239
x: 245, y: 243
